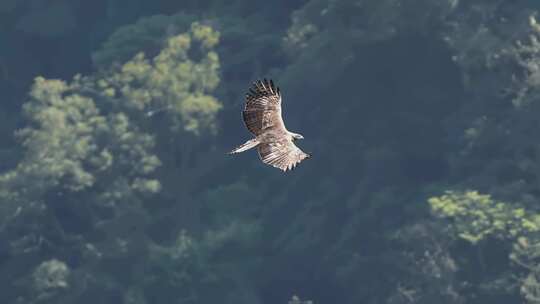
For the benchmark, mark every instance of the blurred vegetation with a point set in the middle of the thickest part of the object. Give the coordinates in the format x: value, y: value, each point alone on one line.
x: 422, y: 117
x: 476, y: 216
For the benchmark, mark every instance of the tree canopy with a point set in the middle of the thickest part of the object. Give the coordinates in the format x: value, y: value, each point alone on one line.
x: 422, y: 118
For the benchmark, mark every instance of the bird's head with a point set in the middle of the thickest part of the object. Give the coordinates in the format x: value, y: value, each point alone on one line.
x: 296, y: 136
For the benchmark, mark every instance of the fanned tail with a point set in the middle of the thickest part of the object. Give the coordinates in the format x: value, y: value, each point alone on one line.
x: 252, y: 143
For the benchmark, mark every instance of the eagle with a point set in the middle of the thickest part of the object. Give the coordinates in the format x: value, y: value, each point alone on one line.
x: 262, y: 117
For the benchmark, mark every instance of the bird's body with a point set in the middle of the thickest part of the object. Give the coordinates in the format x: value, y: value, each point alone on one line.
x: 262, y: 117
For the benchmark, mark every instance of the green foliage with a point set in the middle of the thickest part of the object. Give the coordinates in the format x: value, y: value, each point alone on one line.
x: 120, y: 193
x: 188, y: 268
x: 526, y: 255
x: 71, y: 143
x: 492, y: 124
x: 91, y: 148
x: 477, y: 216
x: 248, y: 50
x: 531, y: 288
x: 147, y: 35
x: 173, y: 79
x: 431, y: 270
x: 228, y: 214
x: 338, y: 28
x: 71, y: 146
x: 179, y: 269
x: 50, y: 277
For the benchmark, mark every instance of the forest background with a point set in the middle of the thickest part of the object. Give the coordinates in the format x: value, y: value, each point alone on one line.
x: 423, y: 118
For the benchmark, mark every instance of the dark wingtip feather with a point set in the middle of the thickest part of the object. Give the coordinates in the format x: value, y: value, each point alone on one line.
x: 258, y: 85
x: 272, y: 87
x: 263, y: 86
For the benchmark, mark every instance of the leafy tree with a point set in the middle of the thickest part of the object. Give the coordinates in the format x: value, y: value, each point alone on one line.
x: 248, y: 50
x: 491, y: 128
x: 476, y: 216
x: 146, y: 35
x: 91, y: 152
x: 119, y: 191
x: 428, y: 270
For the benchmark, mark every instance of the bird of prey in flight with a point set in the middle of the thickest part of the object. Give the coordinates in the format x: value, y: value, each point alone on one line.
x: 262, y: 117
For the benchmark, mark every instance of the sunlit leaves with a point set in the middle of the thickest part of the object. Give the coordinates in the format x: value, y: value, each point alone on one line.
x: 178, y: 78
x: 62, y: 138
x: 208, y: 37
x: 50, y: 275
x: 477, y: 216
x: 71, y: 145
x: 90, y: 148
x: 70, y: 141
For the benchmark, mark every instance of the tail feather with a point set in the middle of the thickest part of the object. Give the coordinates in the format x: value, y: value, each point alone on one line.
x: 252, y: 143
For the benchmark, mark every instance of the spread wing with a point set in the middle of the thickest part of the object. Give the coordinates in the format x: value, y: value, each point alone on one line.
x: 263, y: 108
x: 281, y: 153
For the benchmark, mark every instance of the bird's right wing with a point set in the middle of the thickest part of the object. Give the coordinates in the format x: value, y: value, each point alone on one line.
x: 282, y: 154
x: 263, y: 108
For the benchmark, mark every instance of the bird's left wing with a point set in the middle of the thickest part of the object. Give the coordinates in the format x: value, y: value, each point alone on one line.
x: 262, y: 111
x: 282, y: 154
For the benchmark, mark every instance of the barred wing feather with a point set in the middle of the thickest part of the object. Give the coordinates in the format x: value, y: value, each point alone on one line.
x: 282, y: 154
x: 262, y: 111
